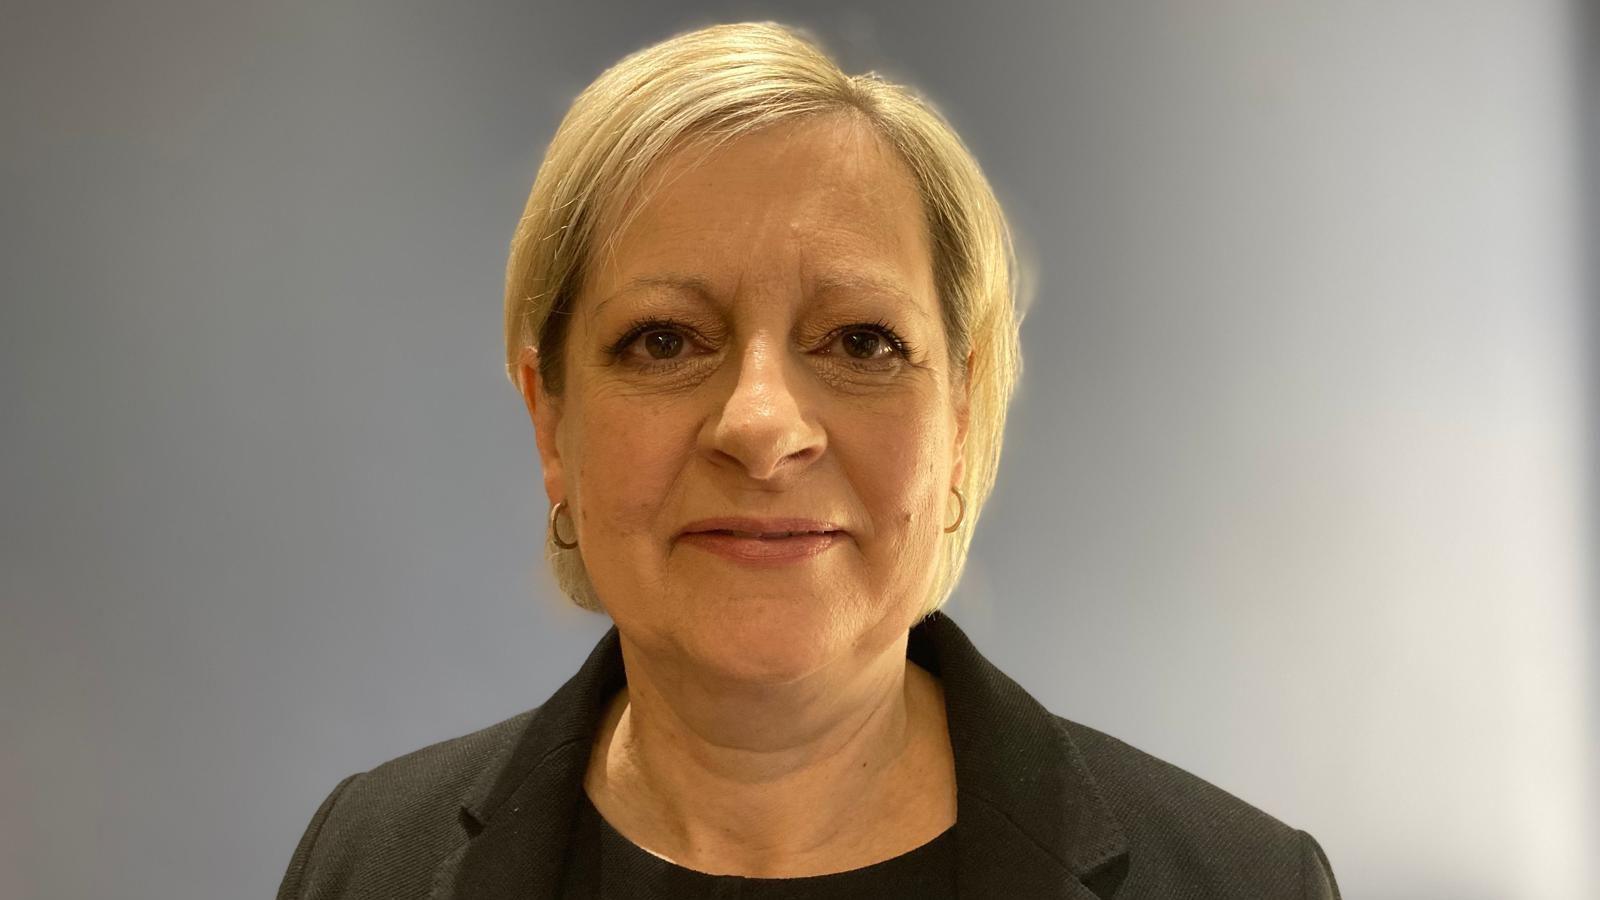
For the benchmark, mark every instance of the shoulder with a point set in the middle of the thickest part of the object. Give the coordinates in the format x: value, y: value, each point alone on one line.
x: 1181, y: 827
x: 391, y: 826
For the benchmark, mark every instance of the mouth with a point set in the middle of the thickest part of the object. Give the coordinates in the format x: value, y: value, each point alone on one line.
x: 763, y: 529
x: 768, y: 543
x: 763, y: 535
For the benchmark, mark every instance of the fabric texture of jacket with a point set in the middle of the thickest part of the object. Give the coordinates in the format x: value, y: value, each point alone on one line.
x: 1046, y: 807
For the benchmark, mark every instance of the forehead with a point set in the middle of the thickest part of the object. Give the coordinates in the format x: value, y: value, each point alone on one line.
x: 800, y: 207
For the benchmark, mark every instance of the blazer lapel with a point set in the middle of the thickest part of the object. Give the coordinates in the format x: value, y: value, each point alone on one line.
x: 520, y: 810
x: 1030, y: 821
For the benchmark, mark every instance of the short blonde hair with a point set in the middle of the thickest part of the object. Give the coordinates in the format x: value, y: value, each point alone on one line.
x: 718, y: 83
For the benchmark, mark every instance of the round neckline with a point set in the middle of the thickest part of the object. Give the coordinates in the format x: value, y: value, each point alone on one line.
x: 638, y: 857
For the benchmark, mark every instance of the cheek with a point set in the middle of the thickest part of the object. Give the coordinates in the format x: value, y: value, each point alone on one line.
x: 629, y: 459
x: 902, y: 467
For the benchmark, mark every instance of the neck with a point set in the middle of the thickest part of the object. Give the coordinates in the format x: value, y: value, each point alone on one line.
x: 846, y: 767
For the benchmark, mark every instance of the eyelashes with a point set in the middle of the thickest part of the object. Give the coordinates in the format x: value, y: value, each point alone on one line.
x: 640, y: 328
x: 680, y: 338
x: 884, y: 330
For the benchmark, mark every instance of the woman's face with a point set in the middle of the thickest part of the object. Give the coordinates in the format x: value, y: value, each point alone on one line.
x: 761, y: 351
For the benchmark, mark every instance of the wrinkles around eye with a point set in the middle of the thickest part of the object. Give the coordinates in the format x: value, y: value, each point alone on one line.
x: 639, y: 345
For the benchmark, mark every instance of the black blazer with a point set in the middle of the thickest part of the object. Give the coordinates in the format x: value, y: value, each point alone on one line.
x: 1045, y: 807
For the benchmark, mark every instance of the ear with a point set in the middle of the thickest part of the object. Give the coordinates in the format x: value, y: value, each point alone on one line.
x: 963, y: 413
x: 545, y: 413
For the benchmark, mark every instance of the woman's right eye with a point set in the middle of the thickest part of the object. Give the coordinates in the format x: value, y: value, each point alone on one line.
x: 651, y: 342
x: 662, y: 344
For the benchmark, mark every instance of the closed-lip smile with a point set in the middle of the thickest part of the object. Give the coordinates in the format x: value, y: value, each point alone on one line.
x: 762, y: 543
x: 760, y: 528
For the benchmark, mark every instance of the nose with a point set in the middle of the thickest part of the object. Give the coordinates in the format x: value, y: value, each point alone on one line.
x: 764, y: 425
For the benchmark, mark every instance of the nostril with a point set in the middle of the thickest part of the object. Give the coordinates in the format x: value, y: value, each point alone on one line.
x: 762, y: 425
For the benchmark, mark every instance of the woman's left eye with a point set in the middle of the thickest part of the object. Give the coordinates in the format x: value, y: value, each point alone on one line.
x: 869, y: 342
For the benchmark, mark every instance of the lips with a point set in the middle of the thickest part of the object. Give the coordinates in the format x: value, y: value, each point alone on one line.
x: 762, y: 542
x: 757, y: 534
x: 769, y: 529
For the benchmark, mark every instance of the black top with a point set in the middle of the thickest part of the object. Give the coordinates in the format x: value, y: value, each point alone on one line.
x: 1045, y: 807
x: 621, y: 869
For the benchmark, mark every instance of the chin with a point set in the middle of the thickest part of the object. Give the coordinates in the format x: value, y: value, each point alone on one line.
x: 773, y: 641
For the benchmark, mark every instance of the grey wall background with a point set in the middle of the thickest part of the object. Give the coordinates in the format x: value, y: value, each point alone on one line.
x: 1295, y: 486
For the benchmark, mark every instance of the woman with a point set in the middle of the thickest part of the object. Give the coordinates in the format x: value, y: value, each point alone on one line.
x: 761, y: 314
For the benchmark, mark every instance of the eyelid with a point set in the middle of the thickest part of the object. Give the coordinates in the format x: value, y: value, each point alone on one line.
x: 646, y: 325
x: 901, y: 347
x: 883, y: 329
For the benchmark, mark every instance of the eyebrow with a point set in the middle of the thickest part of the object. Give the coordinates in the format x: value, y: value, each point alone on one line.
x: 686, y: 284
x: 821, y: 286
x: 866, y: 283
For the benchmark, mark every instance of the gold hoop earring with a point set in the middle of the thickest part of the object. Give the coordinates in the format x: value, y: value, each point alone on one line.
x: 949, y: 529
x: 555, y: 533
